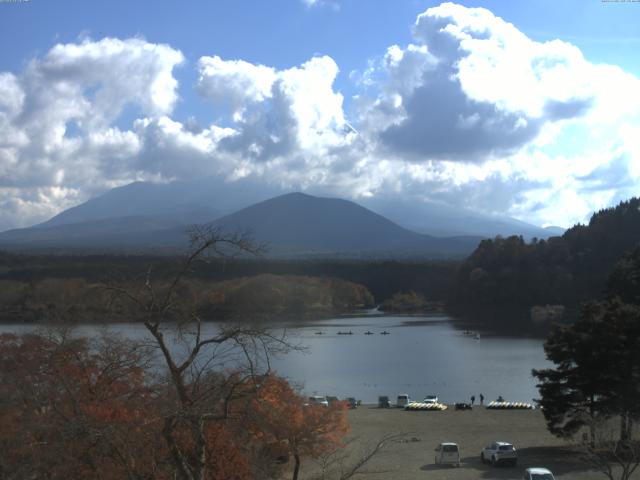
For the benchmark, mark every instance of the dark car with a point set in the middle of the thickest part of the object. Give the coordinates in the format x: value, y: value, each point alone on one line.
x: 352, y: 402
x: 384, y: 402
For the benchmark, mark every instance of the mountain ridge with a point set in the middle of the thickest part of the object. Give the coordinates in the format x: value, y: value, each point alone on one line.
x: 220, y: 198
x: 294, y: 225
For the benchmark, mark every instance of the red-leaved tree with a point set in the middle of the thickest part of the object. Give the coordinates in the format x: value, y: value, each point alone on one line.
x: 281, y: 417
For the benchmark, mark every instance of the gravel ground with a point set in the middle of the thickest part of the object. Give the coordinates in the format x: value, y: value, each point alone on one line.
x: 413, y: 458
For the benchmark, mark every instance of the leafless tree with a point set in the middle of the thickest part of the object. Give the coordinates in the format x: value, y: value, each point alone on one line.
x: 196, y: 354
x: 615, y: 458
x: 344, y: 463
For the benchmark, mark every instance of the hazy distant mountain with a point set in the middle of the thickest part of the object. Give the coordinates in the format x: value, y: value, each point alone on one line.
x: 301, y: 224
x: 293, y: 225
x: 139, y: 233
x: 555, y: 231
x: 210, y: 197
x: 445, y: 221
x: 214, y: 197
x: 146, y: 216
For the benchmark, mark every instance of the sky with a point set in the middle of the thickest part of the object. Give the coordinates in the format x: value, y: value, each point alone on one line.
x: 526, y: 109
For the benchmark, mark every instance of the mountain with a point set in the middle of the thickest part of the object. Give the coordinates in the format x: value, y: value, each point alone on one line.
x: 555, y: 231
x: 143, y: 216
x: 301, y: 224
x: 202, y: 200
x: 133, y: 233
x: 214, y: 197
x: 293, y: 225
x: 446, y: 221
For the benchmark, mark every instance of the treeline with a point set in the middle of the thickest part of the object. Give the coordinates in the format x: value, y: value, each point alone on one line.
x: 252, y: 298
x: 280, y: 296
x: 431, y: 279
x: 409, y: 302
x: 510, y: 273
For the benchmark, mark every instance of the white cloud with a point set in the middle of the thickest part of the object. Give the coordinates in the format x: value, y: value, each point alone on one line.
x: 235, y: 82
x: 56, y: 121
x: 524, y: 120
x: 333, y: 4
x: 474, y: 87
x: 472, y: 113
x: 278, y: 114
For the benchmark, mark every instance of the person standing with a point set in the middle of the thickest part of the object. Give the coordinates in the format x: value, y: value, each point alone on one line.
x: 481, y: 399
x: 473, y: 399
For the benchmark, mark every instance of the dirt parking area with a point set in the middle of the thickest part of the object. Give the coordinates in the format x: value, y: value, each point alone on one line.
x: 413, y: 458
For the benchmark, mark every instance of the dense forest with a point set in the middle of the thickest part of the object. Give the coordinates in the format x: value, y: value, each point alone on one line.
x: 511, y: 274
x: 72, y: 286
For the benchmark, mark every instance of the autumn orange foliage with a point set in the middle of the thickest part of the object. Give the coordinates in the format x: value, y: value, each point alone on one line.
x: 281, y: 416
x: 71, y: 409
x: 67, y: 412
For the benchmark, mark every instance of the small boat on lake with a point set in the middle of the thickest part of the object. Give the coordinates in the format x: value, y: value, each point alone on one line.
x: 345, y: 333
x: 384, y: 333
x: 319, y: 333
x: 368, y: 333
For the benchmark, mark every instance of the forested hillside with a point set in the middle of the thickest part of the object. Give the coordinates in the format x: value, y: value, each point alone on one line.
x: 513, y: 274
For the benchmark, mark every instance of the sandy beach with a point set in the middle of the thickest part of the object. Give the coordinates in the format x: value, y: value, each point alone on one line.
x: 413, y: 458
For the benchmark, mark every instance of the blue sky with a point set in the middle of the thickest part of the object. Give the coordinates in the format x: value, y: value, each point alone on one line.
x: 356, y: 37
x: 282, y: 33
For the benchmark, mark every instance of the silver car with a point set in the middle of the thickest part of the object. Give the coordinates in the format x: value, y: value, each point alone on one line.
x: 499, y: 453
x: 319, y: 400
x: 447, y: 453
x: 537, y: 474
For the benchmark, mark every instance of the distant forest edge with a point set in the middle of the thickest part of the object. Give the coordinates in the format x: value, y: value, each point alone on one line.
x: 260, y: 298
x: 35, y: 288
x: 509, y: 274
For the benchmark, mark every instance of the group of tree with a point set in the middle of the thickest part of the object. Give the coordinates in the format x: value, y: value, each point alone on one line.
x: 192, y: 401
x: 596, y: 377
x: 382, y: 278
x: 267, y: 296
x: 280, y: 296
x: 567, y: 270
x: 71, y: 408
x: 406, y: 302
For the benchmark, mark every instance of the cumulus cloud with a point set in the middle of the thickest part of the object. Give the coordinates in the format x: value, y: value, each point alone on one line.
x: 528, y: 122
x: 471, y: 114
x: 278, y: 115
x: 58, y: 142
x: 473, y: 86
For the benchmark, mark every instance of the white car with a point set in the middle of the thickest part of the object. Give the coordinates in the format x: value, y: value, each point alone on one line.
x: 318, y: 400
x: 499, y: 452
x: 447, y: 453
x: 403, y: 400
x: 430, y: 399
x: 537, y: 474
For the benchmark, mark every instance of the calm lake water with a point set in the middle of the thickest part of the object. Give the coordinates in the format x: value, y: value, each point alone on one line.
x: 421, y: 356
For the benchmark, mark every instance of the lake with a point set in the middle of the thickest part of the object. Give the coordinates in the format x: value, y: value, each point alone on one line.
x: 422, y: 355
